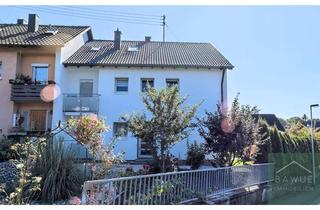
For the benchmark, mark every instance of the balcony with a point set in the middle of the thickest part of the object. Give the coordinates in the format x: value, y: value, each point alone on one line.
x: 76, y: 104
x: 25, y: 92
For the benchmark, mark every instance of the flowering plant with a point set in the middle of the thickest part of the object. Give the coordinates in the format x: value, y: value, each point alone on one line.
x: 89, y: 131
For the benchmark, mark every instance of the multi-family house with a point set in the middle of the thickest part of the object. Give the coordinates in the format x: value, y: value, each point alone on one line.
x: 108, y: 78
x: 31, y: 57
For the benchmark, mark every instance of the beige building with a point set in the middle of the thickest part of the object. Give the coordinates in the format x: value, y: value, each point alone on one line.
x: 31, y: 57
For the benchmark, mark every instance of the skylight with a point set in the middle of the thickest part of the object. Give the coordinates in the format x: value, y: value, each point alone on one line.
x: 52, y: 31
x: 133, y: 49
x: 95, y: 48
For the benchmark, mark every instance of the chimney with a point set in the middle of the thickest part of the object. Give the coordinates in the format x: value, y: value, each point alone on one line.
x: 147, y: 39
x: 33, y: 23
x: 117, y: 39
x: 21, y: 21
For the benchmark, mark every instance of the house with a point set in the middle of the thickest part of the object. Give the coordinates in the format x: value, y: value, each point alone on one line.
x: 36, y: 52
x: 271, y: 120
x: 108, y: 77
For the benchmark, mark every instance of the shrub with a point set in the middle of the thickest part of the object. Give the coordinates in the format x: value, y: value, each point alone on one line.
x: 27, y: 185
x: 229, y: 135
x: 195, y: 155
x: 61, y: 178
x: 22, y: 79
x: 6, y: 153
x: 89, y: 131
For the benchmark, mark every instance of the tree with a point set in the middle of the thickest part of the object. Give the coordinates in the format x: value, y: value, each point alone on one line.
x: 283, y: 122
x: 230, y: 136
x: 295, y: 120
x: 169, y: 122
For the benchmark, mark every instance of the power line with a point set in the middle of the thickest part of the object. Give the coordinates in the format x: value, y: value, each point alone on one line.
x: 173, y: 33
x: 120, y: 14
x: 84, y: 16
x: 98, y: 15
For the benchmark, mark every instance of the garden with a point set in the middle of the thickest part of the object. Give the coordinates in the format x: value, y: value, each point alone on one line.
x: 45, y: 170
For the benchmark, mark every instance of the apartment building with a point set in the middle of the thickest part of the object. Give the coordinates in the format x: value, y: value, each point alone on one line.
x: 31, y: 57
x: 108, y: 78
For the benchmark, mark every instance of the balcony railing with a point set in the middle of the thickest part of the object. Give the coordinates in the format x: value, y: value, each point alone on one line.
x: 21, y: 92
x: 81, y: 103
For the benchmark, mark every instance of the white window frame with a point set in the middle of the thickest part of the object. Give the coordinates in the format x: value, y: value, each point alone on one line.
x: 40, y: 65
x: 173, y: 79
x: 145, y: 79
x: 116, y: 82
x: 122, y: 137
x: 140, y: 150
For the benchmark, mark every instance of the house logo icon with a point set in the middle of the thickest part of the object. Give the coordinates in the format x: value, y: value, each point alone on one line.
x: 292, y: 163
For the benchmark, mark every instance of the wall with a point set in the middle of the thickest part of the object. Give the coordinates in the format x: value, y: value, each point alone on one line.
x: 202, y: 85
x: 60, y: 74
x: 28, y: 59
x: 9, y: 65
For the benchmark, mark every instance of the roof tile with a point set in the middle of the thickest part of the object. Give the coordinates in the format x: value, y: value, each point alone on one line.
x: 14, y: 34
x: 162, y: 54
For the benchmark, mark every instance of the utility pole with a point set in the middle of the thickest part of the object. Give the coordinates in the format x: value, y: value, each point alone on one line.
x: 312, y: 144
x: 163, y: 28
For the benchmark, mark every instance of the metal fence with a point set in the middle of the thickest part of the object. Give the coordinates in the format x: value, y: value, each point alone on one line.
x: 175, y: 187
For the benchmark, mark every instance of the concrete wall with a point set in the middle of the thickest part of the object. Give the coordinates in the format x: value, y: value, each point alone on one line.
x: 202, y: 85
x: 9, y: 65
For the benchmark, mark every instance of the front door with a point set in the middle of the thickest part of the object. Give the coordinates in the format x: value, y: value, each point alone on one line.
x: 38, y: 120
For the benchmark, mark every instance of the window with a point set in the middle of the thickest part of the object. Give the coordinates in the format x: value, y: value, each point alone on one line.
x: 120, y: 129
x: 172, y: 82
x: 144, y: 149
x: 86, y: 87
x: 122, y: 84
x: 145, y: 83
x: 40, y: 73
x: 1, y: 71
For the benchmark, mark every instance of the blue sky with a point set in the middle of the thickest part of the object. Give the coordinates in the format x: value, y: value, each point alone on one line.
x: 275, y: 50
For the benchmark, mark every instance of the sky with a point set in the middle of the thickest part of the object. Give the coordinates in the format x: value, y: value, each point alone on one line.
x: 275, y: 49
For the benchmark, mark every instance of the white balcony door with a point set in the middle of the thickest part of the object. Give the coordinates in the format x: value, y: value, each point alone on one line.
x: 86, y: 87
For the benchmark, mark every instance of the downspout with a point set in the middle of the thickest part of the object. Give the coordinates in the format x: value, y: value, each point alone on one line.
x: 222, y: 90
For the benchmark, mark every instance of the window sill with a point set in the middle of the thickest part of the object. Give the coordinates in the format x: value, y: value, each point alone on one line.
x: 124, y: 138
x: 121, y: 93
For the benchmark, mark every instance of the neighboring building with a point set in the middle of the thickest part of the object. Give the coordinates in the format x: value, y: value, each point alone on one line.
x: 36, y: 51
x: 271, y: 119
x: 107, y: 77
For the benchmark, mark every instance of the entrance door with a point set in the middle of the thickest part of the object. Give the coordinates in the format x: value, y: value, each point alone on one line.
x: 38, y: 120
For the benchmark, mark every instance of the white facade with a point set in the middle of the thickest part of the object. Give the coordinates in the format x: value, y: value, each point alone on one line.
x: 61, y: 55
x: 201, y: 85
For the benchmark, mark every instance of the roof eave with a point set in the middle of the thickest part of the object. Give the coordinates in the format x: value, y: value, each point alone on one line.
x: 146, y: 65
